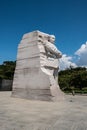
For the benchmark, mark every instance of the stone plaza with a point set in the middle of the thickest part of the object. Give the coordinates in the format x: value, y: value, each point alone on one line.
x: 22, y: 114
x: 30, y: 105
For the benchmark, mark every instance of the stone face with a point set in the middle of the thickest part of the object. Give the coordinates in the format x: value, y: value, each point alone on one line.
x: 36, y: 70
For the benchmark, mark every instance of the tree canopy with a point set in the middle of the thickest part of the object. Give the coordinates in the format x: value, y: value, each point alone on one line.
x: 73, y: 79
x: 7, y: 69
x: 69, y: 79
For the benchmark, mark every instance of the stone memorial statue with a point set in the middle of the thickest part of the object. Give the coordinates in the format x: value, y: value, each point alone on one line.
x: 36, y: 73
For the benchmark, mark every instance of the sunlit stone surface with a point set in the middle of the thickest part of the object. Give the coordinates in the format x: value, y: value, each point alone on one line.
x: 36, y: 73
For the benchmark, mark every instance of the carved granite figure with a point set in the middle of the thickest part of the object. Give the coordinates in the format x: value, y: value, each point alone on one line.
x: 36, y: 73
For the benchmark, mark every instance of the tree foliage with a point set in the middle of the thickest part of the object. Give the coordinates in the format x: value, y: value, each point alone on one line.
x: 73, y: 79
x: 7, y: 69
x: 69, y: 79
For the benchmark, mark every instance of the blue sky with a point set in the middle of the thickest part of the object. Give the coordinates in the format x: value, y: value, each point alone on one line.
x: 66, y: 19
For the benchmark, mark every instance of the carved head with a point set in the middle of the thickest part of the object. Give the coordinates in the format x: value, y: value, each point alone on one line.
x: 51, y: 39
x: 46, y: 37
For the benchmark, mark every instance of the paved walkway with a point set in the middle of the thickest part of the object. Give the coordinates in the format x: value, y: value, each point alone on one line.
x: 21, y: 114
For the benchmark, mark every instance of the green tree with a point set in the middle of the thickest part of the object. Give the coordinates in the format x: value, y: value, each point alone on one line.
x: 75, y: 78
x: 7, y: 69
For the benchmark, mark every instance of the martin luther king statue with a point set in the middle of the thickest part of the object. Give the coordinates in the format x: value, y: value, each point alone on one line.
x: 36, y: 73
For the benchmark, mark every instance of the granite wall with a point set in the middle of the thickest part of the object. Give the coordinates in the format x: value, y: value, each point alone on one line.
x: 5, y: 85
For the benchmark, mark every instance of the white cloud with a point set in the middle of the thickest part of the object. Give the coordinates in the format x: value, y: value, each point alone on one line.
x: 82, y: 55
x: 66, y: 62
x: 80, y: 59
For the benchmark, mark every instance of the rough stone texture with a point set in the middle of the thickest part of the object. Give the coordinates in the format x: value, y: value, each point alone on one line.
x: 21, y: 114
x: 36, y: 71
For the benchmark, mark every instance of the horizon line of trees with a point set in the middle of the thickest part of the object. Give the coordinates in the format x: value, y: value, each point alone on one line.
x: 7, y: 70
x: 73, y: 79
x: 69, y: 79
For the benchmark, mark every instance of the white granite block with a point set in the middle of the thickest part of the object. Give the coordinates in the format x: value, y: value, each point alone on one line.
x: 36, y: 72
